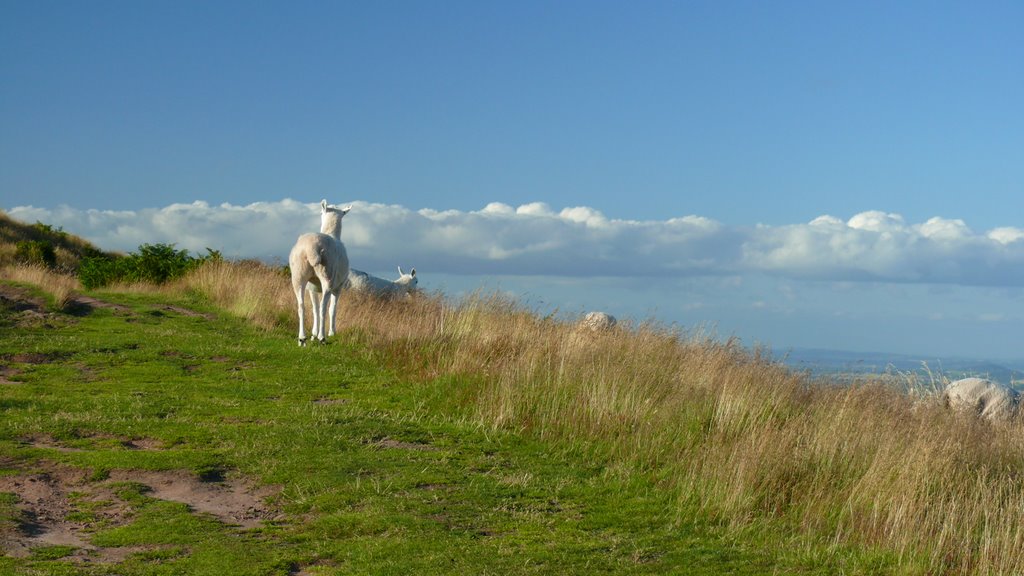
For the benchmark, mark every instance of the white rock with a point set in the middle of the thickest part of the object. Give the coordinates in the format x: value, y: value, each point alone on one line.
x: 597, y: 321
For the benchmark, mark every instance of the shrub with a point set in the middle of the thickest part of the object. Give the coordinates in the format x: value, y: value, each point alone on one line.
x: 96, y: 271
x: 36, y: 252
x: 46, y: 230
x: 153, y: 263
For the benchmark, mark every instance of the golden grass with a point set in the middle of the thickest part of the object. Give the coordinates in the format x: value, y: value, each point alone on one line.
x: 62, y: 287
x: 750, y: 442
x: 247, y: 289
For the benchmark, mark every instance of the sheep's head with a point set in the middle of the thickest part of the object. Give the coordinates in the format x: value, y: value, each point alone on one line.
x: 330, y: 218
x: 408, y: 281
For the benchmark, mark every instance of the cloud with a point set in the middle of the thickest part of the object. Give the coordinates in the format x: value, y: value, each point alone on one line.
x: 877, y: 246
x: 580, y: 241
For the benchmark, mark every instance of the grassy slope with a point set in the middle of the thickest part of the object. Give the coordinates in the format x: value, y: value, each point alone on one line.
x: 379, y: 474
x: 546, y: 450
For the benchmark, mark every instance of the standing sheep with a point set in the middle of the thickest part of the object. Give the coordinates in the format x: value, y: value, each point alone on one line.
x: 320, y: 259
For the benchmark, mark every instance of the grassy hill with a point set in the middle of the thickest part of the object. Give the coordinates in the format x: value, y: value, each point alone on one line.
x: 120, y: 424
x: 35, y: 243
x: 180, y: 429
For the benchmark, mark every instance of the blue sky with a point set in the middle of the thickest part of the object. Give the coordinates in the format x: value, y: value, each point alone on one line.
x: 696, y: 141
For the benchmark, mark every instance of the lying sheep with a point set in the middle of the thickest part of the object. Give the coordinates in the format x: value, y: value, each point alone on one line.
x: 989, y: 399
x: 359, y: 281
x: 363, y: 283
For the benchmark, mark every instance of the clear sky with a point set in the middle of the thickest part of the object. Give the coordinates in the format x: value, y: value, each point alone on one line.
x: 650, y: 158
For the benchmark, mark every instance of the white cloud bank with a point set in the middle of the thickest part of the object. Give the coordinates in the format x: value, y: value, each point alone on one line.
x: 534, y: 239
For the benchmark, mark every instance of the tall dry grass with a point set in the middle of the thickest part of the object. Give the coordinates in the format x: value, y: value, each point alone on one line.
x: 61, y: 287
x: 248, y: 289
x: 748, y: 441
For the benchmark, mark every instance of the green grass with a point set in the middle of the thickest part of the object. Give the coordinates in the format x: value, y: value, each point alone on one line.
x: 375, y: 473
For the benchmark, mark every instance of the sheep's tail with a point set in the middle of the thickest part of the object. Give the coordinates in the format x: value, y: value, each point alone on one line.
x: 316, y: 258
x: 318, y: 261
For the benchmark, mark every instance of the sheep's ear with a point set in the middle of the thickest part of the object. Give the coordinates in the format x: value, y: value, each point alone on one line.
x: 412, y: 272
x: 323, y: 205
x: 345, y: 210
x: 400, y: 273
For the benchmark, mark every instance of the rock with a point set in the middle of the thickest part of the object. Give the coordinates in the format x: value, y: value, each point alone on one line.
x: 597, y: 321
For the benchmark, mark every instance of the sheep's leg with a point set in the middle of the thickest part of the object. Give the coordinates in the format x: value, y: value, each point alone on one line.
x: 333, y: 313
x: 322, y: 311
x: 300, y: 297
x: 314, y: 300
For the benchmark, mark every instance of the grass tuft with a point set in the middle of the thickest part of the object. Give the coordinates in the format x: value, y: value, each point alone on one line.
x: 61, y: 287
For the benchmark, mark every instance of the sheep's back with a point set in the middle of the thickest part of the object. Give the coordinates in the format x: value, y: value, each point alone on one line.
x: 321, y: 253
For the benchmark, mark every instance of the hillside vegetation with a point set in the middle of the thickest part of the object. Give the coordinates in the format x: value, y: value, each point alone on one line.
x: 43, y: 244
x: 699, y: 444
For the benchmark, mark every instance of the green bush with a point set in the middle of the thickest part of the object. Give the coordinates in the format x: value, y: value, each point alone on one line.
x: 153, y: 263
x: 36, y: 252
x: 49, y: 231
x: 96, y: 271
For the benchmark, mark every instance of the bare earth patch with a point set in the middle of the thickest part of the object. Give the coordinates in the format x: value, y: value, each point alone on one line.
x: 25, y: 309
x: 143, y: 444
x: 185, y: 312
x: 233, y: 501
x: 46, y: 498
x: 19, y: 300
x: 43, y: 505
x: 85, y: 304
x: 8, y: 372
x: 389, y: 443
x: 101, y: 440
x: 49, y: 443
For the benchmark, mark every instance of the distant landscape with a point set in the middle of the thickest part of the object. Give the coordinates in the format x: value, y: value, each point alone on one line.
x: 839, y: 362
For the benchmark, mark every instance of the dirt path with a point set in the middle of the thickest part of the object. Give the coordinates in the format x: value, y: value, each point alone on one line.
x: 47, y: 496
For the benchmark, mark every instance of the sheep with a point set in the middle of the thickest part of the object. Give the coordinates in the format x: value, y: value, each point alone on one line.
x: 320, y: 259
x: 362, y: 283
x: 990, y: 399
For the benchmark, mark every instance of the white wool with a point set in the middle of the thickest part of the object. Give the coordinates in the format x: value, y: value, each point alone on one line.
x: 320, y: 259
x: 360, y: 281
x: 363, y: 283
x: 989, y: 399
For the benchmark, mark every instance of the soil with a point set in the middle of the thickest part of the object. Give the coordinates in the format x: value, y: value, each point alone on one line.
x: 400, y: 445
x: 26, y: 307
x: 48, y: 493
x: 234, y: 501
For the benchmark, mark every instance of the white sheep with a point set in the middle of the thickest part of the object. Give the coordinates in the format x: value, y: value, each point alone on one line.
x: 320, y: 259
x: 363, y: 283
x: 989, y: 399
